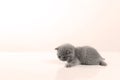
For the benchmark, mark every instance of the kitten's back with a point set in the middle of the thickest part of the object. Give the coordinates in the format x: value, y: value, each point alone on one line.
x: 87, y: 54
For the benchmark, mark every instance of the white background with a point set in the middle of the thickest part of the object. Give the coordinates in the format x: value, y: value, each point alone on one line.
x: 41, y: 25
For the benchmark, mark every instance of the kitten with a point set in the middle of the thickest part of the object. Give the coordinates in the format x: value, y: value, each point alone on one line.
x: 85, y: 55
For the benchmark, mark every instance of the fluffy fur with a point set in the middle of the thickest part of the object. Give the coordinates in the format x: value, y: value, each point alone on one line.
x: 85, y: 55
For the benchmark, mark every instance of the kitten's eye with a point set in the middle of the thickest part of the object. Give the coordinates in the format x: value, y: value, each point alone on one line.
x: 68, y: 52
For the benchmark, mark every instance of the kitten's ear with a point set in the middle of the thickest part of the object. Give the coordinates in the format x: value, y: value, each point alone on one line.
x: 56, y: 48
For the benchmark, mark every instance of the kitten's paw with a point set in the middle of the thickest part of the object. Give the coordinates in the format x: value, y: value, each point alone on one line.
x: 68, y: 65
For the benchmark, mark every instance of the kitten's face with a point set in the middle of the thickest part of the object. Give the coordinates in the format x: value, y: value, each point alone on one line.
x: 64, y: 53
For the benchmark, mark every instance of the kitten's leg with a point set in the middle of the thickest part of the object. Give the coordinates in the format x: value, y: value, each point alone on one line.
x: 72, y: 62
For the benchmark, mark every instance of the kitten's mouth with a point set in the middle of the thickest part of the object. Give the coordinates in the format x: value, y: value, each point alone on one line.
x: 63, y: 58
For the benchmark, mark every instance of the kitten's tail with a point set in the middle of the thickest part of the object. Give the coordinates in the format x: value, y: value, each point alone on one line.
x: 102, y: 63
x: 103, y: 58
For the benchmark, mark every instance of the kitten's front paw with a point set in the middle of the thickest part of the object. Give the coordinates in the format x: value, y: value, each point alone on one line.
x: 68, y: 65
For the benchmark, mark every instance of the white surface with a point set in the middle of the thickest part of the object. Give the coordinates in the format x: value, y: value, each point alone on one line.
x: 46, y: 66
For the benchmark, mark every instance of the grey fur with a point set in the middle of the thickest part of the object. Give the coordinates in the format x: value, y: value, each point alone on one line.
x: 85, y: 55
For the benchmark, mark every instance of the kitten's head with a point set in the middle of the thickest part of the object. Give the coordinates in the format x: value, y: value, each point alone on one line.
x: 65, y: 51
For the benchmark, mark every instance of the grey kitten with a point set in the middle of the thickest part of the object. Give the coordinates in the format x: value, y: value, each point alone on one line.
x: 85, y: 55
